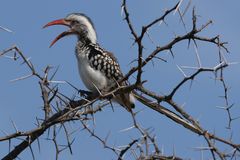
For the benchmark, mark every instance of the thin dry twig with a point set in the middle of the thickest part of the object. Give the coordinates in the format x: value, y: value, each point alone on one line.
x: 59, y: 108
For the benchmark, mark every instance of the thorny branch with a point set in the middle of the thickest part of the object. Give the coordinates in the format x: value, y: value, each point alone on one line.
x: 60, y: 109
x: 191, y: 35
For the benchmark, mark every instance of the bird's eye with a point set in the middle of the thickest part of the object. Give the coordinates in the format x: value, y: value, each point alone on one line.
x: 73, y: 22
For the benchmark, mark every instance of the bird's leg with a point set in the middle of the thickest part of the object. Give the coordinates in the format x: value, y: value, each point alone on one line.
x: 84, y: 93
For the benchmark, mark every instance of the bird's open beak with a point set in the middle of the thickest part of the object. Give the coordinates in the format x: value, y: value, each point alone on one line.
x: 63, y: 34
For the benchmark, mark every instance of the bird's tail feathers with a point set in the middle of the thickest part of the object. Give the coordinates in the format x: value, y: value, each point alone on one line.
x: 126, y: 100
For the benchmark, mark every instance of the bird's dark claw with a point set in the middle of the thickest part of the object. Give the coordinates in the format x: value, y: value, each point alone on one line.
x: 84, y: 93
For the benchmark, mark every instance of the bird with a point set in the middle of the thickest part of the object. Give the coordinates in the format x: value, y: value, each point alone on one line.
x: 98, y: 68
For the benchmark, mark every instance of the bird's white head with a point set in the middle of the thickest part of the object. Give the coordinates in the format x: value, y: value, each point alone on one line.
x: 79, y: 25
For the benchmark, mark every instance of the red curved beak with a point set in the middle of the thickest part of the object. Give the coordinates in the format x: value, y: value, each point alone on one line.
x: 58, y: 22
x: 63, y: 34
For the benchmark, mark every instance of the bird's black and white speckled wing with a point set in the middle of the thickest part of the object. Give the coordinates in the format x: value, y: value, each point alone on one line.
x: 105, y: 62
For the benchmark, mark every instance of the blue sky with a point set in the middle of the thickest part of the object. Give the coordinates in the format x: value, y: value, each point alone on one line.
x: 21, y: 101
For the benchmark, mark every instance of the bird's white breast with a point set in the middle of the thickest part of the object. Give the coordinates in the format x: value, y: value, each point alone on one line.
x: 93, y: 79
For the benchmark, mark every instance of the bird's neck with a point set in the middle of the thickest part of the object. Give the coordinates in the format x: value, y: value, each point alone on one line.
x: 87, y: 35
x: 84, y: 41
x: 82, y: 47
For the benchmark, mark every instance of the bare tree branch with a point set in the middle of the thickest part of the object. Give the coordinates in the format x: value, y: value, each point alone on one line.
x: 62, y: 110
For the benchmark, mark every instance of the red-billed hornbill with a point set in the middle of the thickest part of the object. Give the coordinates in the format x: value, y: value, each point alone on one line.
x: 98, y: 68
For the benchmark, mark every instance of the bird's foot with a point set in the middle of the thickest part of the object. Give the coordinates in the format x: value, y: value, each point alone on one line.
x: 84, y: 93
